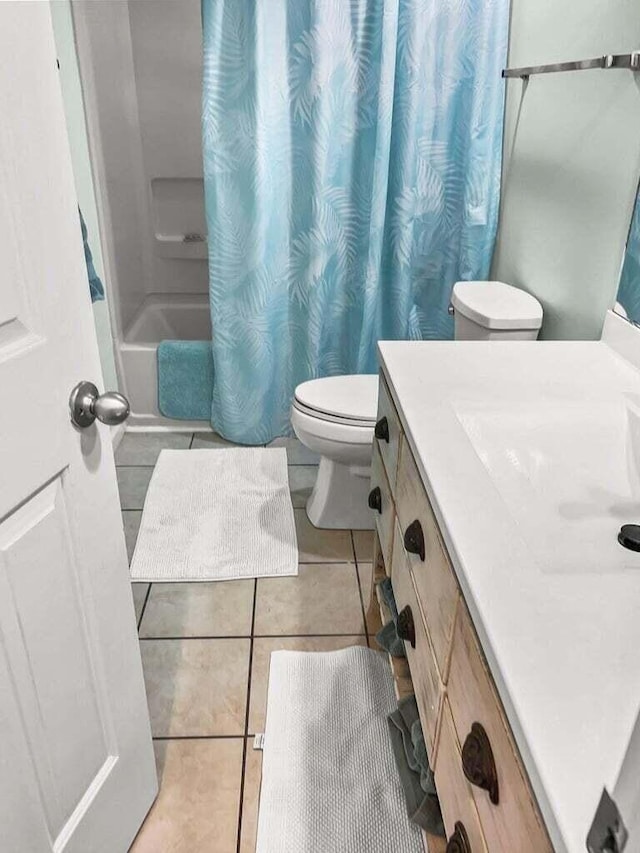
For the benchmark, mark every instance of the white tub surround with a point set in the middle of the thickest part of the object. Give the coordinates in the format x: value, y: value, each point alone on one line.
x: 146, y: 162
x: 528, y: 453
x: 161, y: 317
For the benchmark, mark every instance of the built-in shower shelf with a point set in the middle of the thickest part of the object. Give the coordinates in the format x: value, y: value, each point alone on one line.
x: 182, y: 238
x: 191, y: 246
x: 178, y: 211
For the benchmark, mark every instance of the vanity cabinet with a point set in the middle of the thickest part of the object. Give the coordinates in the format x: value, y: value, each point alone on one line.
x: 511, y: 822
x: 429, y: 565
x: 388, y: 432
x: 454, y: 791
x: 381, y: 501
x: 487, y: 802
x: 427, y: 685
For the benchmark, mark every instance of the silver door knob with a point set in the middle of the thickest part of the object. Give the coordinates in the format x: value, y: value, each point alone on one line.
x: 86, y: 404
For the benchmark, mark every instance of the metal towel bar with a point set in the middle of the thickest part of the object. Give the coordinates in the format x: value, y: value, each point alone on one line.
x: 630, y: 61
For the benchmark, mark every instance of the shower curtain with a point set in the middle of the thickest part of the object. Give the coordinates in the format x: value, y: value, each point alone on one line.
x: 352, y: 154
x: 629, y: 289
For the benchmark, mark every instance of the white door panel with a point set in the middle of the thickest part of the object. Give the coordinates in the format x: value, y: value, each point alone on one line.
x: 27, y: 829
x: 76, y: 766
x: 39, y: 600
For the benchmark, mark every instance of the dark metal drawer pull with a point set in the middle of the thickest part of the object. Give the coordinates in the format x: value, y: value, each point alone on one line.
x: 459, y: 841
x: 479, y: 764
x: 381, y: 430
x: 406, y: 627
x: 375, y: 499
x: 414, y: 539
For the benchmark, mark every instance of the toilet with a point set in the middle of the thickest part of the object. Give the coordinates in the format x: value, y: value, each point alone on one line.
x: 494, y: 311
x: 335, y: 416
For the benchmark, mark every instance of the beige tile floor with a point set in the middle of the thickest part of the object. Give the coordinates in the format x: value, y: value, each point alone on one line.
x: 205, y: 652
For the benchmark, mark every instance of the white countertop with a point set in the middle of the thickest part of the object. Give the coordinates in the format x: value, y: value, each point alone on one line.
x: 563, y: 647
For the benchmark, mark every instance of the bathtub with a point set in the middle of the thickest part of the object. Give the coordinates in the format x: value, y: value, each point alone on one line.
x: 161, y: 317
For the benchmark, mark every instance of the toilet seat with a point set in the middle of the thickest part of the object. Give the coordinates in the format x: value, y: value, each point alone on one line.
x: 320, y: 431
x: 347, y: 400
x: 332, y: 419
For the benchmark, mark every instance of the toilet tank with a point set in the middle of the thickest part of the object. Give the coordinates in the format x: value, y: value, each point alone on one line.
x: 493, y: 310
x: 468, y: 330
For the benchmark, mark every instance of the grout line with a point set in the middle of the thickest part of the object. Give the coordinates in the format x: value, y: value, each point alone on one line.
x: 134, y: 465
x: 197, y: 737
x: 144, y: 607
x: 246, y: 721
x: 353, y: 547
x: 246, y: 579
x: 201, y: 637
x: 302, y: 636
x: 246, y: 717
x: 259, y: 636
x: 364, y: 615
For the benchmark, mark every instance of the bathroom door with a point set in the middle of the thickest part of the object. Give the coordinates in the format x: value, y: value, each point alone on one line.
x: 77, y: 771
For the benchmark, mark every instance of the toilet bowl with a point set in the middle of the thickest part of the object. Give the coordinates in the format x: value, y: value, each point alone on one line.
x: 335, y: 416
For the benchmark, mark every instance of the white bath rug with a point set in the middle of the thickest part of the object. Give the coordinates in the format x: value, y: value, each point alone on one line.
x: 329, y: 780
x: 214, y: 515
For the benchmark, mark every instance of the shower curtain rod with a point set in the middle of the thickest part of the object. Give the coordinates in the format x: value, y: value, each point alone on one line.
x: 630, y: 61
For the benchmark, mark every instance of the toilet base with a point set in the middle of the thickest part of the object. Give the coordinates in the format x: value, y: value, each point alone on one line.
x: 339, y: 500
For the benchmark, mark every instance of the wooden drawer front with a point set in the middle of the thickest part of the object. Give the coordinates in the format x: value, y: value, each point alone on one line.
x: 424, y: 673
x: 514, y: 823
x: 388, y: 426
x: 386, y: 515
x: 435, y: 582
x: 456, y: 800
x: 433, y: 843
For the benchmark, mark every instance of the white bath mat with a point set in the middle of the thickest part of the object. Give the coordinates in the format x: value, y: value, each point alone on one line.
x: 329, y: 780
x: 214, y: 515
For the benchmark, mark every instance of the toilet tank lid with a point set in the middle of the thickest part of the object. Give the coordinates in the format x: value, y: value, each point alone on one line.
x: 496, y: 305
x: 354, y: 397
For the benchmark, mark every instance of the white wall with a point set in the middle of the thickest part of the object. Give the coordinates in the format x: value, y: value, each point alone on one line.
x: 572, y: 161
x: 76, y: 129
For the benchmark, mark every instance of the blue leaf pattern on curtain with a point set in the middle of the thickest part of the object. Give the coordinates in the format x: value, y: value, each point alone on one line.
x: 629, y: 289
x: 352, y: 161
